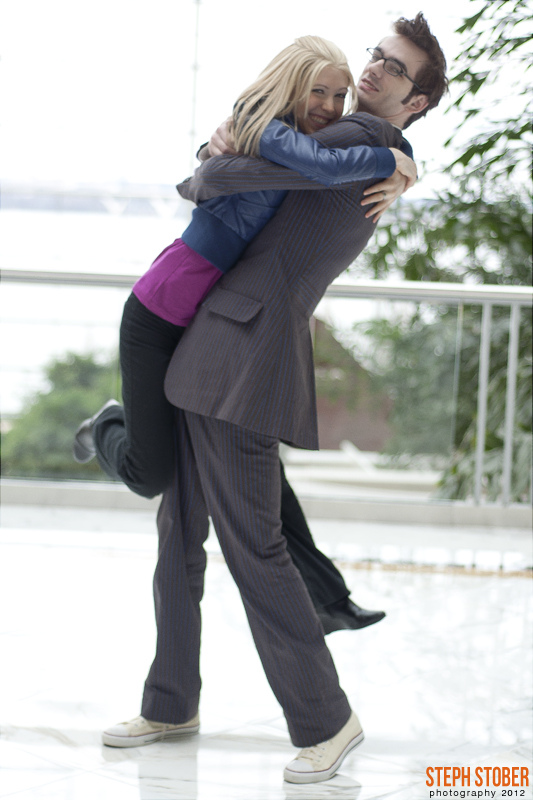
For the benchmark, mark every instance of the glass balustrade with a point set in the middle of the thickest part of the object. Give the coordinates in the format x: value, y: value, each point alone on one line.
x: 422, y: 389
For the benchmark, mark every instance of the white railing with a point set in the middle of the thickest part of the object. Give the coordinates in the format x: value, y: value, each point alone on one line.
x: 513, y: 297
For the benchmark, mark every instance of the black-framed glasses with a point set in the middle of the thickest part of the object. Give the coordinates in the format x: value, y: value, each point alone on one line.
x: 391, y: 66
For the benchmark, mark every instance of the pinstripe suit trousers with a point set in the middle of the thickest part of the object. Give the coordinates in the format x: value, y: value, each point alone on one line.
x: 233, y: 475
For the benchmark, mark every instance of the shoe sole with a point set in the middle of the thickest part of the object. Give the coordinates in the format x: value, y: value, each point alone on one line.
x: 147, y: 738
x: 323, y: 775
x: 81, y: 454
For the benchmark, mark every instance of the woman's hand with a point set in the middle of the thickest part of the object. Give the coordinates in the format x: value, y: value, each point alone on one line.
x: 384, y: 193
x: 221, y: 142
x: 406, y: 166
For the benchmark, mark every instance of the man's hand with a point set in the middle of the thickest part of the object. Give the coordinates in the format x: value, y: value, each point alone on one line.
x: 221, y: 142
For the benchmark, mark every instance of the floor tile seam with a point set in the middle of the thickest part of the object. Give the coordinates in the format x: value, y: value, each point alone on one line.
x: 75, y: 772
x: 72, y: 770
x: 41, y: 785
x: 382, y: 761
x: 35, y: 755
x: 397, y: 792
x: 101, y: 772
x: 229, y: 731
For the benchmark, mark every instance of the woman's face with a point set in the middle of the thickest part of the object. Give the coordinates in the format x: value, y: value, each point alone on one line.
x: 326, y: 101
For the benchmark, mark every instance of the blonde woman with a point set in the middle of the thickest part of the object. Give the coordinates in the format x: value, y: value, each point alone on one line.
x: 303, y: 89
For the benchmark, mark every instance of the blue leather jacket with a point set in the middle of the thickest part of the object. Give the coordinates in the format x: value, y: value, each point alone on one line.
x: 221, y: 228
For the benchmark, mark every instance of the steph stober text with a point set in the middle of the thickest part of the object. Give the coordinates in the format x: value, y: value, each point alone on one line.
x: 513, y: 778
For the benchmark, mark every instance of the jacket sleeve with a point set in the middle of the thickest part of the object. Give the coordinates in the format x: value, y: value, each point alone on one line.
x: 327, y: 165
x: 225, y: 175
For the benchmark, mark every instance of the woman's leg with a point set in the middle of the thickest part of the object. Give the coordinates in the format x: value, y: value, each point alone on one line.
x: 135, y: 443
x: 324, y: 582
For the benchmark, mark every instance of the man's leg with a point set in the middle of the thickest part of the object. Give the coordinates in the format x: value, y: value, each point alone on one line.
x: 240, y: 477
x: 324, y: 582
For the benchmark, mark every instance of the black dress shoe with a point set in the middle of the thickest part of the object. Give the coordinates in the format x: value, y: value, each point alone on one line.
x: 83, y: 449
x: 346, y: 615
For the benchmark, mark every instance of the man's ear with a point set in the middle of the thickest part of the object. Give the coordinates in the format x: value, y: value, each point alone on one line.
x: 417, y: 104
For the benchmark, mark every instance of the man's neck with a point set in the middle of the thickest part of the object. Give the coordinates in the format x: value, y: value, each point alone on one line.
x: 395, y: 124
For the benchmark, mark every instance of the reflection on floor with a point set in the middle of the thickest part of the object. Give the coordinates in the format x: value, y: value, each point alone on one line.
x: 443, y: 681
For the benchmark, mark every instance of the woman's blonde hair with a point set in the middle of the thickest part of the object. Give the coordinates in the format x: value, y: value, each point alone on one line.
x: 284, y: 84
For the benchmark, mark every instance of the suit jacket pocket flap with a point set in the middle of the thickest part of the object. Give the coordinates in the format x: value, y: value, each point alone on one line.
x: 232, y: 305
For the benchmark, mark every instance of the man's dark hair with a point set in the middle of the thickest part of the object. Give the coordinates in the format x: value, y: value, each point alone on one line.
x: 432, y: 76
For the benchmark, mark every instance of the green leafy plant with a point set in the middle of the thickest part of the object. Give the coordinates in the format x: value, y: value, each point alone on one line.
x: 477, y: 231
x: 39, y: 444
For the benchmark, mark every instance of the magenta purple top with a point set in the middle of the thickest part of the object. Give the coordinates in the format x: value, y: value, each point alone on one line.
x: 176, y: 283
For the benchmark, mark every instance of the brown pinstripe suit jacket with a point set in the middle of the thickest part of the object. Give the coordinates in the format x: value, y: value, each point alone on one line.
x: 247, y: 358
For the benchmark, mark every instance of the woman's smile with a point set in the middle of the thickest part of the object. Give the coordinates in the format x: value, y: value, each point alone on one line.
x: 326, y: 101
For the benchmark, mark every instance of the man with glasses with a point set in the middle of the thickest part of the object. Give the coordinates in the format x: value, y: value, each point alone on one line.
x: 247, y: 357
x: 406, y: 74
x: 391, y: 66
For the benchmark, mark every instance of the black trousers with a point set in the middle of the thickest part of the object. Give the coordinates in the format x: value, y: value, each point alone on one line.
x: 135, y: 443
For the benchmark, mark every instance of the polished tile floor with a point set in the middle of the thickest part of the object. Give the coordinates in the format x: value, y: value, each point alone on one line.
x: 443, y: 681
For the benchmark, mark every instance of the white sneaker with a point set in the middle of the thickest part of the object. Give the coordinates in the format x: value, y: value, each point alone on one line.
x: 321, y: 762
x: 139, y: 731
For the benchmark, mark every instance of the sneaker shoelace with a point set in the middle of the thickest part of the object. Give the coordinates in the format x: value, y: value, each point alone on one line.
x: 141, y: 722
x: 314, y: 754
